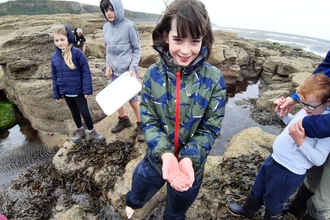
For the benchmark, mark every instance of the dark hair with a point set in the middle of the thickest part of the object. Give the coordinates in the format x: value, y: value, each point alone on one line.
x: 192, y: 20
x: 104, y: 4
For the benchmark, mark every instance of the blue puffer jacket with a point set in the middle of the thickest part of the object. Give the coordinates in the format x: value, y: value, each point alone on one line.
x: 66, y: 80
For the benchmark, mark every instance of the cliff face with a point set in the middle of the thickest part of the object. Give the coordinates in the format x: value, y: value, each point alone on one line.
x: 46, y: 7
x: 25, y: 75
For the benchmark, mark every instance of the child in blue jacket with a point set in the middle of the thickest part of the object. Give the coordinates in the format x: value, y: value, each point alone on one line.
x: 72, y: 80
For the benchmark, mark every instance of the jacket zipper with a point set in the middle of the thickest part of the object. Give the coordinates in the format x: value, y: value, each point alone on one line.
x: 177, y: 114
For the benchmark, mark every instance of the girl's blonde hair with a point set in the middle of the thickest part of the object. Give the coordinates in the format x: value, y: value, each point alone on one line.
x: 67, y: 52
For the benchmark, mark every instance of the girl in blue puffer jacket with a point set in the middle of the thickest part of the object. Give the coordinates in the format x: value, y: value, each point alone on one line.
x: 72, y: 80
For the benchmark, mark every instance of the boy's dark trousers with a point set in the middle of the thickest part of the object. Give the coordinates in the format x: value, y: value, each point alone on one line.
x: 275, y: 184
x: 145, y: 184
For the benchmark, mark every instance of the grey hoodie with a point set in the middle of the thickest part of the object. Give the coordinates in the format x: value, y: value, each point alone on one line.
x: 122, y: 42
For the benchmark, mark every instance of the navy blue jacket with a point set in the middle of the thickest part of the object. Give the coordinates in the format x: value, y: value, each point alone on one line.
x: 66, y: 80
x: 318, y: 126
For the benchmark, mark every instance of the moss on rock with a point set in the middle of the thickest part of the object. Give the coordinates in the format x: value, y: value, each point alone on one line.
x: 7, y: 115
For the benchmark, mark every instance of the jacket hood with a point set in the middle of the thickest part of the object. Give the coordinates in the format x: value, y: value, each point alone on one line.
x: 70, y: 37
x: 70, y: 34
x: 118, y: 9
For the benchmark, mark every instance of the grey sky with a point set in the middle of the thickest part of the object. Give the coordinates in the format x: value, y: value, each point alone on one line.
x: 307, y: 18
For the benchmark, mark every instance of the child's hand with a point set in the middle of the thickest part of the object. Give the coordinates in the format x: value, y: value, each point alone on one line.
x: 285, y: 106
x: 297, y: 132
x: 278, y: 102
x: 187, y: 168
x: 108, y: 72
x: 86, y: 96
x: 57, y: 101
x: 179, y: 181
x: 132, y: 73
x: 172, y: 173
x: 170, y: 165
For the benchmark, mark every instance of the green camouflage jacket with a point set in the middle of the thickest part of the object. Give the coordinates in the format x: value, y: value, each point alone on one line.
x: 202, y: 108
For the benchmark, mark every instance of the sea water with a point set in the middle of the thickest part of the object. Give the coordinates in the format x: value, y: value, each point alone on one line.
x: 315, y: 45
x: 237, y: 117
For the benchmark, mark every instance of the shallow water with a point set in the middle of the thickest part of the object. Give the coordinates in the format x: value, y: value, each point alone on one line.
x: 24, y: 146
x: 237, y: 116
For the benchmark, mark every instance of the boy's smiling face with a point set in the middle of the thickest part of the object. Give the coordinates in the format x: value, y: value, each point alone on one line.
x: 183, y: 50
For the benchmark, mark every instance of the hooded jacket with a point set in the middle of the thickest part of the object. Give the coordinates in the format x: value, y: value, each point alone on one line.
x: 202, y: 107
x: 317, y: 126
x: 68, y: 81
x: 122, y: 42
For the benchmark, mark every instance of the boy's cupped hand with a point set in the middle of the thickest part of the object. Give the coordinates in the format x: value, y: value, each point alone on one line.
x: 179, y: 175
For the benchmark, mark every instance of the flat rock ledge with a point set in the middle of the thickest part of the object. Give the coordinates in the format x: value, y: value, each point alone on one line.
x: 217, y: 187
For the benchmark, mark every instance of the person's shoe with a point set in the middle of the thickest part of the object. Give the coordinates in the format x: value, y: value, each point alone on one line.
x: 139, y: 131
x: 298, y: 206
x: 272, y: 216
x: 251, y: 206
x: 95, y: 136
x: 80, y: 134
x: 122, y: 123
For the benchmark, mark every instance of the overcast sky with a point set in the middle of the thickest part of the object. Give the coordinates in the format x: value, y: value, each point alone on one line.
x: 307, y: 18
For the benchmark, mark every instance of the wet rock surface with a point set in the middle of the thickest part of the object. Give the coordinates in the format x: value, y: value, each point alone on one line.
x: 42, y: 191
x: 37, y: 193
x: 262, y: 116
x: 88, y: 191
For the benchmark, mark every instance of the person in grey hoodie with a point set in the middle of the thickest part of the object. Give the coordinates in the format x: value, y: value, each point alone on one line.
x: 123, y: 54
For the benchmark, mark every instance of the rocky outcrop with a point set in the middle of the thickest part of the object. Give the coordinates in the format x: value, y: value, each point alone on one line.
x: 91, y: 180
x: 26, y: 46
x: 25, y: 50
x: 252, y: 141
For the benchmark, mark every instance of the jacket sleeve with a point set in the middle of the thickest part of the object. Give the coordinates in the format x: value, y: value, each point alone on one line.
x: 317, y: 126
x: 56, y: 94
x: 324, y: 67
x: 198, y: 148
x: 105, y: 31
x: 86, y: 76
x: 136, y: 48
x: 317, y: 154
x: 157, y: 140
x: 286, y: 118
x: 83, y: 38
